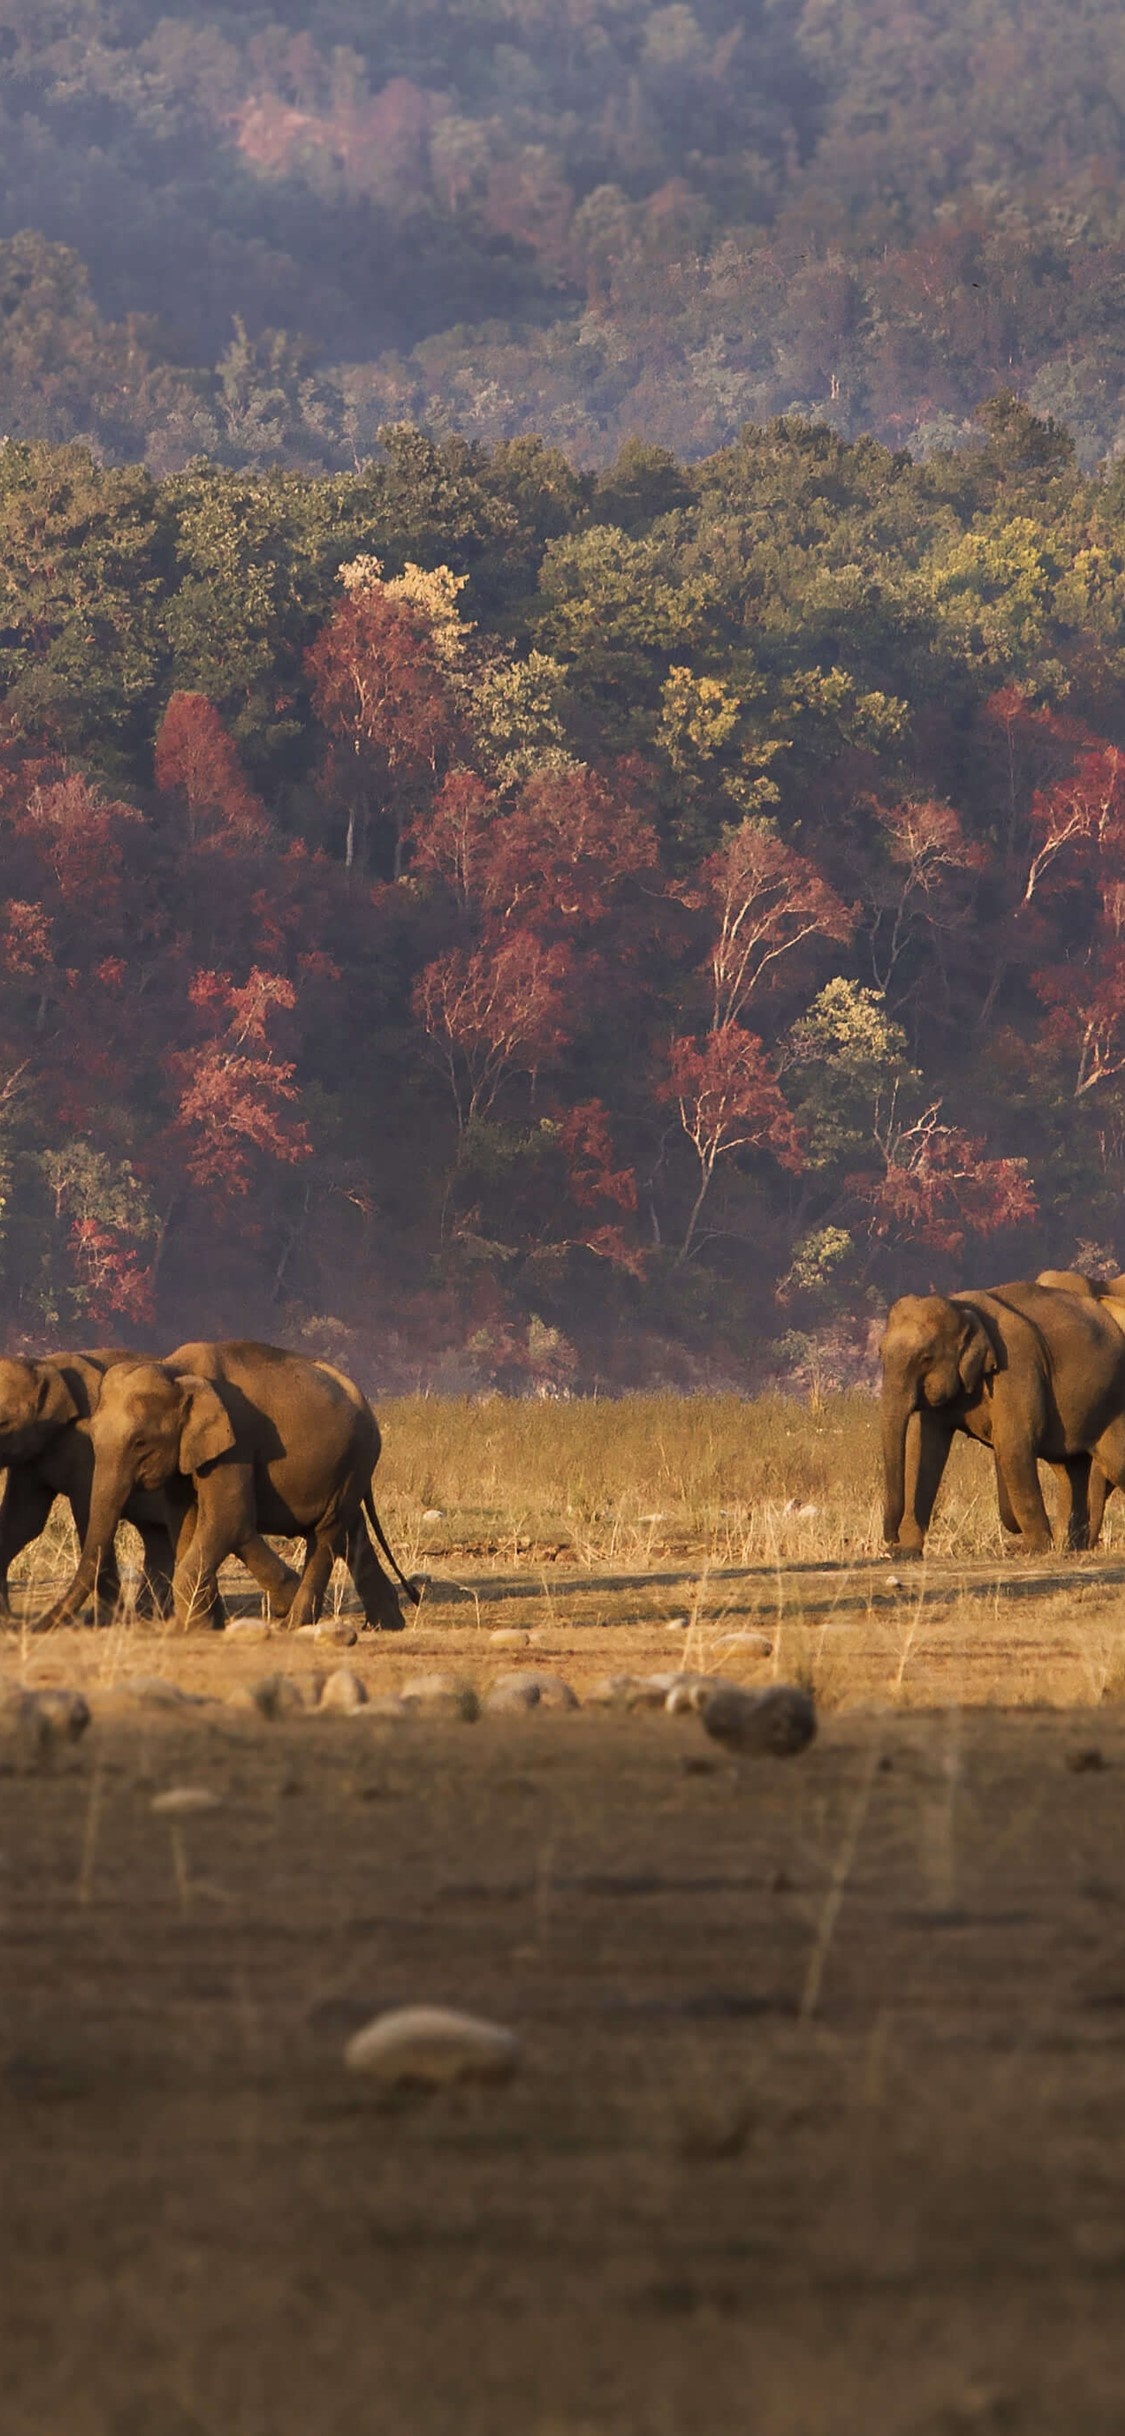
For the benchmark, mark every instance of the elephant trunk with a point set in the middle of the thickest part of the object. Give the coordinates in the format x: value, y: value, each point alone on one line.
x: 898, y: 1404
x: 107, y: 1504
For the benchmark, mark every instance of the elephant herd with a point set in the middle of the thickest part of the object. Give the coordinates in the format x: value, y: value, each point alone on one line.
x: 204, y: 1452
x: 1033, y: 1370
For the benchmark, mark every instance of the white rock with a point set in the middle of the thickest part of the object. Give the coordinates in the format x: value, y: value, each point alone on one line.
x: 680, y: 1701
x: 554, y: 1692
x: 434, y: 1514
x: 247, y: 1629
x: 434, y: 2046
x: 337, y: 1631
x: 754, y: 1644
x: 181, y: 1800
x: 344, y: 1691
x: 650, y: 1691
x: 511, y: 1695
x: 509, y: 1637
x: 442, y: 1695
x: 678, y: 1624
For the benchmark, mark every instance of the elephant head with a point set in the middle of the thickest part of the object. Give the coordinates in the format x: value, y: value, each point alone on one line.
x: 36, y: 1401
x: 149, y: 1425
x: 935, y: 1352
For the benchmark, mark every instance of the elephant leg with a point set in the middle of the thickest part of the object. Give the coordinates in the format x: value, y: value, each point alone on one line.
x: 155, y: 1598
x: 1109, y: 1461
x: 927, y: 1456
x: 273, y: 1576
x: 1016, y: 1459
x: 1099, y: 1490
x: 1073, y: 1477
x: 1007, y: 1510
x: 24, y: 1513
x: 377, y: 1592
x: 321, y: 1553
x: 201, y: 1545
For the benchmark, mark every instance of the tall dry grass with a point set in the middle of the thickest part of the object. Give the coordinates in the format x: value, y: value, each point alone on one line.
x: 762, y: 1482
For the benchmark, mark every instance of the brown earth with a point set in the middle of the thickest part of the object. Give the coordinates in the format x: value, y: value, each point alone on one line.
x: 821, y: 2124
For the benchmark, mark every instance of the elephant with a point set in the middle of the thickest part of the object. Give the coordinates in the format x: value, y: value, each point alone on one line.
x: 1029, y: 1370
x: 46, y: 1409
x: 242, y: 1438
x: 1109, y: 1293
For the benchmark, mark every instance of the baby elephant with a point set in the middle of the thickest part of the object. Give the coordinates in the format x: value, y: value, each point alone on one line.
x: 241, y: 1439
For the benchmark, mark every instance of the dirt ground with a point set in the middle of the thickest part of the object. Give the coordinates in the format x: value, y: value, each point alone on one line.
x: 821, y: 2121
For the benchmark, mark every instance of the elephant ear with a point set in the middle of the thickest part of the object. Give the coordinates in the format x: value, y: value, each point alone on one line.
x: 977, y: 1358
x: 206, y: 1431
x: 53, y: 1400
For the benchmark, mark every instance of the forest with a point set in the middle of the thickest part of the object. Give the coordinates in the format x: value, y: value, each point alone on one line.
x: 259, y: 233
x: 517, y: 926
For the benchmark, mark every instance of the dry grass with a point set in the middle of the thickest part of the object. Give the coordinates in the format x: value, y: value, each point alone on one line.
x: 597, y: 1524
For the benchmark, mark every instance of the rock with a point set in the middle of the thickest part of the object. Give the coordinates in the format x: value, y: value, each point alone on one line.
x: 429, y: 2045
x: 681, y: 1700
x: 610, y: 1692
x: 245, y: 1630
x: 157, y: 1692
x: 650, y: 1691
x: 47, y: 1718
x: 182, y: 1801
x: 273, y: 1696
x: 388, y: 1704
x: 337, y: 1631
x: 678, y: 1624
x: 780, y: 1721
x: 510, y: 1696
x: 344, y: 1691
x: 305, y: 1632
x: 509, y: 1637
x: 1084, y: 1761
x: 434, y: 1514
x: 752, y: 1644
x: 554, y: 1692
x: 442, y: 1696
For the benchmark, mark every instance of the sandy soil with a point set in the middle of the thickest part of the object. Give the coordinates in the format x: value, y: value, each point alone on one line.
x: 821, y: 2124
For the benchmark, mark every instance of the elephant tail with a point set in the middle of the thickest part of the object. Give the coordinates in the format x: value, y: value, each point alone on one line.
x: 412, y: 1591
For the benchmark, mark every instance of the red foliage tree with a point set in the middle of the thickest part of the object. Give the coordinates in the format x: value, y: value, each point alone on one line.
x: 935, y: 1188
x: 379, y: 690
x: 236, y: 1097
x: 766, y: 901
x: 498, y: 1011
x: 196, y: 763
x: 728, y: 1101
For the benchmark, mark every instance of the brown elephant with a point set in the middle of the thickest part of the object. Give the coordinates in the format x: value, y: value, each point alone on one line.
x: 1083, y: 1523
x: 1031, y: 1371
x: 241, y: 1439
x: 46, y: 1408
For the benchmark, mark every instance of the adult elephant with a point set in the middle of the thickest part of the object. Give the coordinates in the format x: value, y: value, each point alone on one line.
x: 241, y: 1438
x: 46, y: 1411
x: 1083, y: 1525
x: 1031, y: 1371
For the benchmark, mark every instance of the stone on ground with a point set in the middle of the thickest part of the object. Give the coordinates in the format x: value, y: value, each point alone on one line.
x: 245, y: 1630
x: 509, y: 1636
x: 47, y: 1718
x: 433, y: 2046
x: 337, y: 1631
x: 511, y: 1695
x: 344, y: 1691
x: 442, y: 1696
x: 753, y: 1644
x: 273, y: 1696
x: 779, y: 1722
x: 181, y: 1801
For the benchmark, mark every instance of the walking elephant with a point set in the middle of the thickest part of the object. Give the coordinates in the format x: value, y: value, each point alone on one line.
x: 1031, y: 1371
x: 241, y: 1439
x: 46, y: 1410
